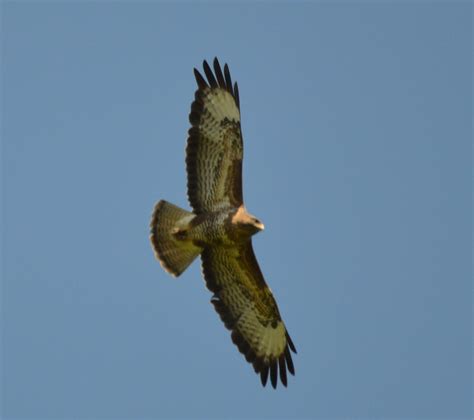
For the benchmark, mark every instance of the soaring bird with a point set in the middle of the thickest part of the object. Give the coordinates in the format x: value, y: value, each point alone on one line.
x: 220, y: 229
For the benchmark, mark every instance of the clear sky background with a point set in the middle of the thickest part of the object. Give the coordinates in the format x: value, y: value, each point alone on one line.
x: 357, y: 128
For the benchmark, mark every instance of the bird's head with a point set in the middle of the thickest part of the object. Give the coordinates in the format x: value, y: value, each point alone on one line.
x: 254, y: 225
x: 246, y: 222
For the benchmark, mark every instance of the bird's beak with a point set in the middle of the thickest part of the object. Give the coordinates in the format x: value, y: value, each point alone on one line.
x: 260, y: 226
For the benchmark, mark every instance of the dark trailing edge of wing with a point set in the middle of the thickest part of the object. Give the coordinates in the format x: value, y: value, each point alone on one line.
x: 282, y: 364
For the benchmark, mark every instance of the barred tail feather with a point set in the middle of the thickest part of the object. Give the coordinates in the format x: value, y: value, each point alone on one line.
x: 168, y: 237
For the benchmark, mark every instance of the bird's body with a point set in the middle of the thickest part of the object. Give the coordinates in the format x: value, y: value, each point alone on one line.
x: 212, y: 229
x: 220, y: 229
x: 228, y: 227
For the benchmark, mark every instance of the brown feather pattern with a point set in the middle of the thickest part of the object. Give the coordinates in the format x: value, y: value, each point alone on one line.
x: 241, y: 297
x: 214, y: 150
x: 238, y: 284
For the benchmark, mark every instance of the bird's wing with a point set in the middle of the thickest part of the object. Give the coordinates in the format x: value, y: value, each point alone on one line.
x: 214, y: 150
x: 246, y: 306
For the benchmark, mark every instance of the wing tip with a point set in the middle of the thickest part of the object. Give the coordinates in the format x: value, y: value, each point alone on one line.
x: 274, y: 374
x: 219, y: 78
x: 282, y: 366
x: 209, y: 74
x: 201, y: 82
x: 289, y: 361
x: 268, y: 366
x: 264, y: 375
x: 290, y: 343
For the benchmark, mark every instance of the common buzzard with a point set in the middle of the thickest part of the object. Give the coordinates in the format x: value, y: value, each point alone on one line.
x: 220, y: 229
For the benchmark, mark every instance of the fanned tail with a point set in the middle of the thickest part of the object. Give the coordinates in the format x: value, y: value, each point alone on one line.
x: 168, y: 227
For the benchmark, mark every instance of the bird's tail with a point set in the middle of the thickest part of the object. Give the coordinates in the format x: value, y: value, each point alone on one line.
x: 168, y: 235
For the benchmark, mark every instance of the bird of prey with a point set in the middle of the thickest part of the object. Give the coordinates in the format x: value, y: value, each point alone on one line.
x: 219, y: 229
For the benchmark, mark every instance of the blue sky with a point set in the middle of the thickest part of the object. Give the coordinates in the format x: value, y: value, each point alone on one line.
x: 357, y: 127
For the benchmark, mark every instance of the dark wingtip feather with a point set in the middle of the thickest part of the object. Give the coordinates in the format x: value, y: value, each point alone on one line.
x: 228, y: 79
x: 282, y: 364
x: 236, y: 95
x: 264, y: 375
x: 217, y: 78
x: 274, y: 374
x: 210, y: 76
x: 199, y: 79
x: 219, y: 75
x: 289, y: 361
x: 258, y: 365
x: 290, y: 343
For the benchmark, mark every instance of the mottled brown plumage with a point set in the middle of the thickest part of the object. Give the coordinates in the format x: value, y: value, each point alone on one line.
x: 220, y: 229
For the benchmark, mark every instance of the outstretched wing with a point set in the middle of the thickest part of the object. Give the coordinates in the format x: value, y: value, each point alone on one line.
x: 214, y: 151
x: 247, y: 307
